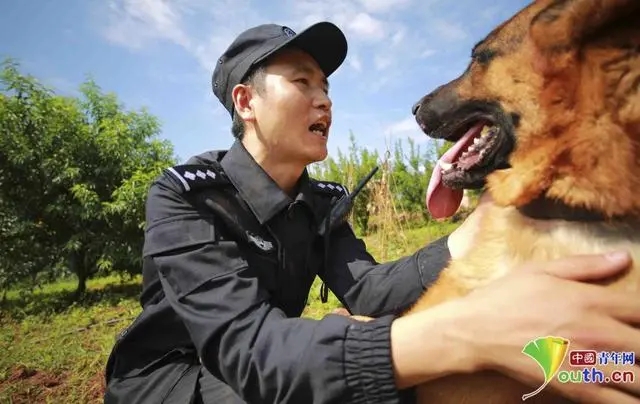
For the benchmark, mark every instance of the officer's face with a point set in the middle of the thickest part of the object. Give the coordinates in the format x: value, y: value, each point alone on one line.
x: 292, y: 115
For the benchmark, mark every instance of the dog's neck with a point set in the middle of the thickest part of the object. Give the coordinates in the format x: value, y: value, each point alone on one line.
x: 552, y: 209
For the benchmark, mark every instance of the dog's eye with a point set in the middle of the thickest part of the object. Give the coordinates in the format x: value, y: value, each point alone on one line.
x: 484, y: 56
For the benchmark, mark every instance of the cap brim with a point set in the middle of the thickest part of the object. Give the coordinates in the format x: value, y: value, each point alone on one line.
x: 323, y: 41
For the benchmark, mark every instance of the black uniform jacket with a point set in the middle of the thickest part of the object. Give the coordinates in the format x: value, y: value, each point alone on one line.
x: 229, y: 259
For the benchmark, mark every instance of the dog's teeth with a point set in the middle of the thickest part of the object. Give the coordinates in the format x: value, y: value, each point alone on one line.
x: 445, y: 166
x: 476, y: 140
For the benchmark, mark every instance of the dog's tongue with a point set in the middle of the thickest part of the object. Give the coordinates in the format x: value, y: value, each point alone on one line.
x: 444, y: 202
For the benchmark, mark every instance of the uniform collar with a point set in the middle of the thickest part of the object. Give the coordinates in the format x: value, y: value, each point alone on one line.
x: 261, y: 193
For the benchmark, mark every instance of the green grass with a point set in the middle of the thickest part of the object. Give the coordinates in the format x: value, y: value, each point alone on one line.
x: 54, y: 351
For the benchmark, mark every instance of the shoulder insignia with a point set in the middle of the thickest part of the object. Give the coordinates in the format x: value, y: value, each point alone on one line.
x: 330, y: 188
x: 197, y: 176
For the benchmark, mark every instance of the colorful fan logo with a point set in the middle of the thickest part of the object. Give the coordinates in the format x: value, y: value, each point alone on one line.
x: 549, y: 353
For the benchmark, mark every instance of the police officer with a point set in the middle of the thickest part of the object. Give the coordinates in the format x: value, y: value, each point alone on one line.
x: 234, y: 240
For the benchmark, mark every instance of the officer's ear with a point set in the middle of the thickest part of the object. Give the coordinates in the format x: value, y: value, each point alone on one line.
x: 243, y: 97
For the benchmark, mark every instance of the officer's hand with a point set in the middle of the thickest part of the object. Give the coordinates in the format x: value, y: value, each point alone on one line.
x: 344, y: 312
x: 544, y: 299
x: 341, y: 311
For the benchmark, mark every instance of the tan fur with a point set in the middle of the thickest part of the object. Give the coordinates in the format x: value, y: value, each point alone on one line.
x: 563, y: 68
x: 507, y: 240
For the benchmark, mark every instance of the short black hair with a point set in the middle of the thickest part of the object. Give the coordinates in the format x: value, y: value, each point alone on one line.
x: 255, y: 79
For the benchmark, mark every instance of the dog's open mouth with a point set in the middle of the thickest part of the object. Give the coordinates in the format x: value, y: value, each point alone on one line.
x: 480, y: 147
x: 472, y: 151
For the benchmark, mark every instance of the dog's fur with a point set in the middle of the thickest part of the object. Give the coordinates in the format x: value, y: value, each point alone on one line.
x: 562, y: 79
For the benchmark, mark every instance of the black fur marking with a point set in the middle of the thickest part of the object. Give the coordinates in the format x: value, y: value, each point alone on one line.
x: 477, y: 46
x: 515, y: 118
x: 616, y: 70
x: 550, y: 209
x: 451, y: 123
x: 552, y: 13
x: 485, y: 56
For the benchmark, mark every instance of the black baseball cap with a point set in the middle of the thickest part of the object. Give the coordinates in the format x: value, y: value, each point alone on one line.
x: 323, y: 41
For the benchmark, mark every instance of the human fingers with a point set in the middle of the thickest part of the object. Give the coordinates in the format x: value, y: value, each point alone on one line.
x: 584, y: 267
x: 601, y: 383
x: 625, y: 379
x: 341, y: 311
x: 617, y: 374
x: 621, y: 305
x: 587, y: 393
x: 578, y: 392
x: 362, y: 318
x: 580, y: 388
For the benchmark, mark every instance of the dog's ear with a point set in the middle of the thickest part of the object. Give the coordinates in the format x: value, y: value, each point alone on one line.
x: 564, y: 24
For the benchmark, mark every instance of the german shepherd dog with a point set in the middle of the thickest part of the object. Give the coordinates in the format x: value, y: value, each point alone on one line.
x: 546, y: 118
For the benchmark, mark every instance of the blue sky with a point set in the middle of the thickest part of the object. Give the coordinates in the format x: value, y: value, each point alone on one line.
x: 160, y: 54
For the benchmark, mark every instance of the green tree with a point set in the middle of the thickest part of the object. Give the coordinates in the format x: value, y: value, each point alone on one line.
x: 74, y: 172
x: 407, y: 172
x: 349, y: 169
x: 410, y: 176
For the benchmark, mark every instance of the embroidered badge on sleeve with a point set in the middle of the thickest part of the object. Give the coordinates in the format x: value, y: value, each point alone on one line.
x: 196, y: 176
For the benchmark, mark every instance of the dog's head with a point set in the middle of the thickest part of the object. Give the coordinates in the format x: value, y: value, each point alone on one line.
x: 549, y: 106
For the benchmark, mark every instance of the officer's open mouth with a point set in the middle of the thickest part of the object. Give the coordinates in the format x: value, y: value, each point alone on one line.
x: 319, y: 128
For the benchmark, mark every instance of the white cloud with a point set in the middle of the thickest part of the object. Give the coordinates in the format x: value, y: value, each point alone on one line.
x: 357, y: 23
x: 398, y: 49
x: 398, y: 36
x: 427, y: 53
x: 382, y: 6
x: 404, y: 128
x: 384, y: 38
x: 137, y: 23
x: 133, y: 23
x: 366, y: 27
x: 354, y: 61
x: 449, y: 31
x: 382, y: 61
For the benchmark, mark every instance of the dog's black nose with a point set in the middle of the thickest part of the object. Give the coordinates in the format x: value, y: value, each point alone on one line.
x: 415, y: 108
